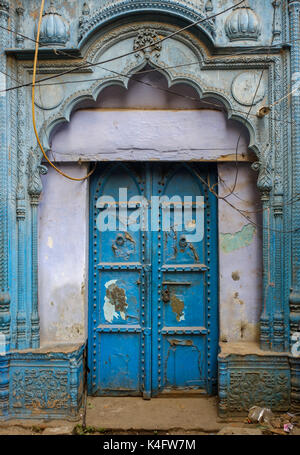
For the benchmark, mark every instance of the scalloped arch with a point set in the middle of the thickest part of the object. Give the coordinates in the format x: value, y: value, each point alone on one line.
x: 78, y: 97
x: 191, y: 79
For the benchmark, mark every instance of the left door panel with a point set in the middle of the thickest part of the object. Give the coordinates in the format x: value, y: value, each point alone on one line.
x: 117, y: 285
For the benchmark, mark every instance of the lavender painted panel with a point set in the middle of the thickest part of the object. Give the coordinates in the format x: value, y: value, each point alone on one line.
x: 63, y: 218
x: 149, y: 121
x: 147, y: 135
x: 240, y: 257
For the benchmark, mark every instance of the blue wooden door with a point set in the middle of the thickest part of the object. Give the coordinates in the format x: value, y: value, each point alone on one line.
x: 153, y: 294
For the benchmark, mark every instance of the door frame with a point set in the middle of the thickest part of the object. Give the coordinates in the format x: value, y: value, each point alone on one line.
x: 211, y: 237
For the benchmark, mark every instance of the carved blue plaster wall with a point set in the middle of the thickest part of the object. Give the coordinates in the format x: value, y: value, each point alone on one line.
x: 98, y: 31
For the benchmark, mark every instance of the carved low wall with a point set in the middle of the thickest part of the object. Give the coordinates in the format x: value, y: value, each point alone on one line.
x: 46, y: 383
x: 254, y: 379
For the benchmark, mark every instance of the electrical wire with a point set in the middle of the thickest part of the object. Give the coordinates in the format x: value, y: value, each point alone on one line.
x: 241, y: 212
x: 291, y: 201
x: 92, y: 64
x: 275, y: 46
x: 201, y: 101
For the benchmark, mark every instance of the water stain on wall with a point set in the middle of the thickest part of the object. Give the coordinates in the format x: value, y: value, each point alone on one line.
x: 240, y: 239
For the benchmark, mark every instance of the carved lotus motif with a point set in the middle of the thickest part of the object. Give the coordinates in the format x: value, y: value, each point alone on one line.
x: 243, y: 24
x: 148, y: 41
x: 54, y: 29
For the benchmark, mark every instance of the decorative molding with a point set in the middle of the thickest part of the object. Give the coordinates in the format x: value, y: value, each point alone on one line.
x: 4, y: 386
x: 265, y: 177
x: 35, y: 170
x: 244, y: 87
x: 266, y: 389
x: 5, y: 297
x: 38, y: 389
x: 147, y: 37
x: 179, y: 8
x: 277, y: 25
x: 4, y: 8
x: 54, y: 28
x: 19, y: 38
x: 294, y: 12
x: 21, y: 312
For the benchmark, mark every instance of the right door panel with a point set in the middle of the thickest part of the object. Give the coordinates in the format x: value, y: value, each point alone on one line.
x: 184, y: 303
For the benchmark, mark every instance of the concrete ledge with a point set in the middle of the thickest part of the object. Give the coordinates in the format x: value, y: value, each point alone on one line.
x: 243, y: 348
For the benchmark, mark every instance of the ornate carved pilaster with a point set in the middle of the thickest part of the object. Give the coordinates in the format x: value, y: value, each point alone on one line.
x: 278, y: 316
x: 294, y: 11
x: 279, y: 306
x: 4, y: 284
x: 34, y: 190
x: 21, y: 313
x: 294, y: 15
x: 265, y: 183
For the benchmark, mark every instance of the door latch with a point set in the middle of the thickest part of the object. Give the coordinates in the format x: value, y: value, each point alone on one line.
x: 166, y: 295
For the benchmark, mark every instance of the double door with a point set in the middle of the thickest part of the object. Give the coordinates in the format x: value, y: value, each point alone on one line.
x: 153, y: 280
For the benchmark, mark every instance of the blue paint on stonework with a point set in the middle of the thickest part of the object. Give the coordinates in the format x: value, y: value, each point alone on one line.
x: 32, y: 377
